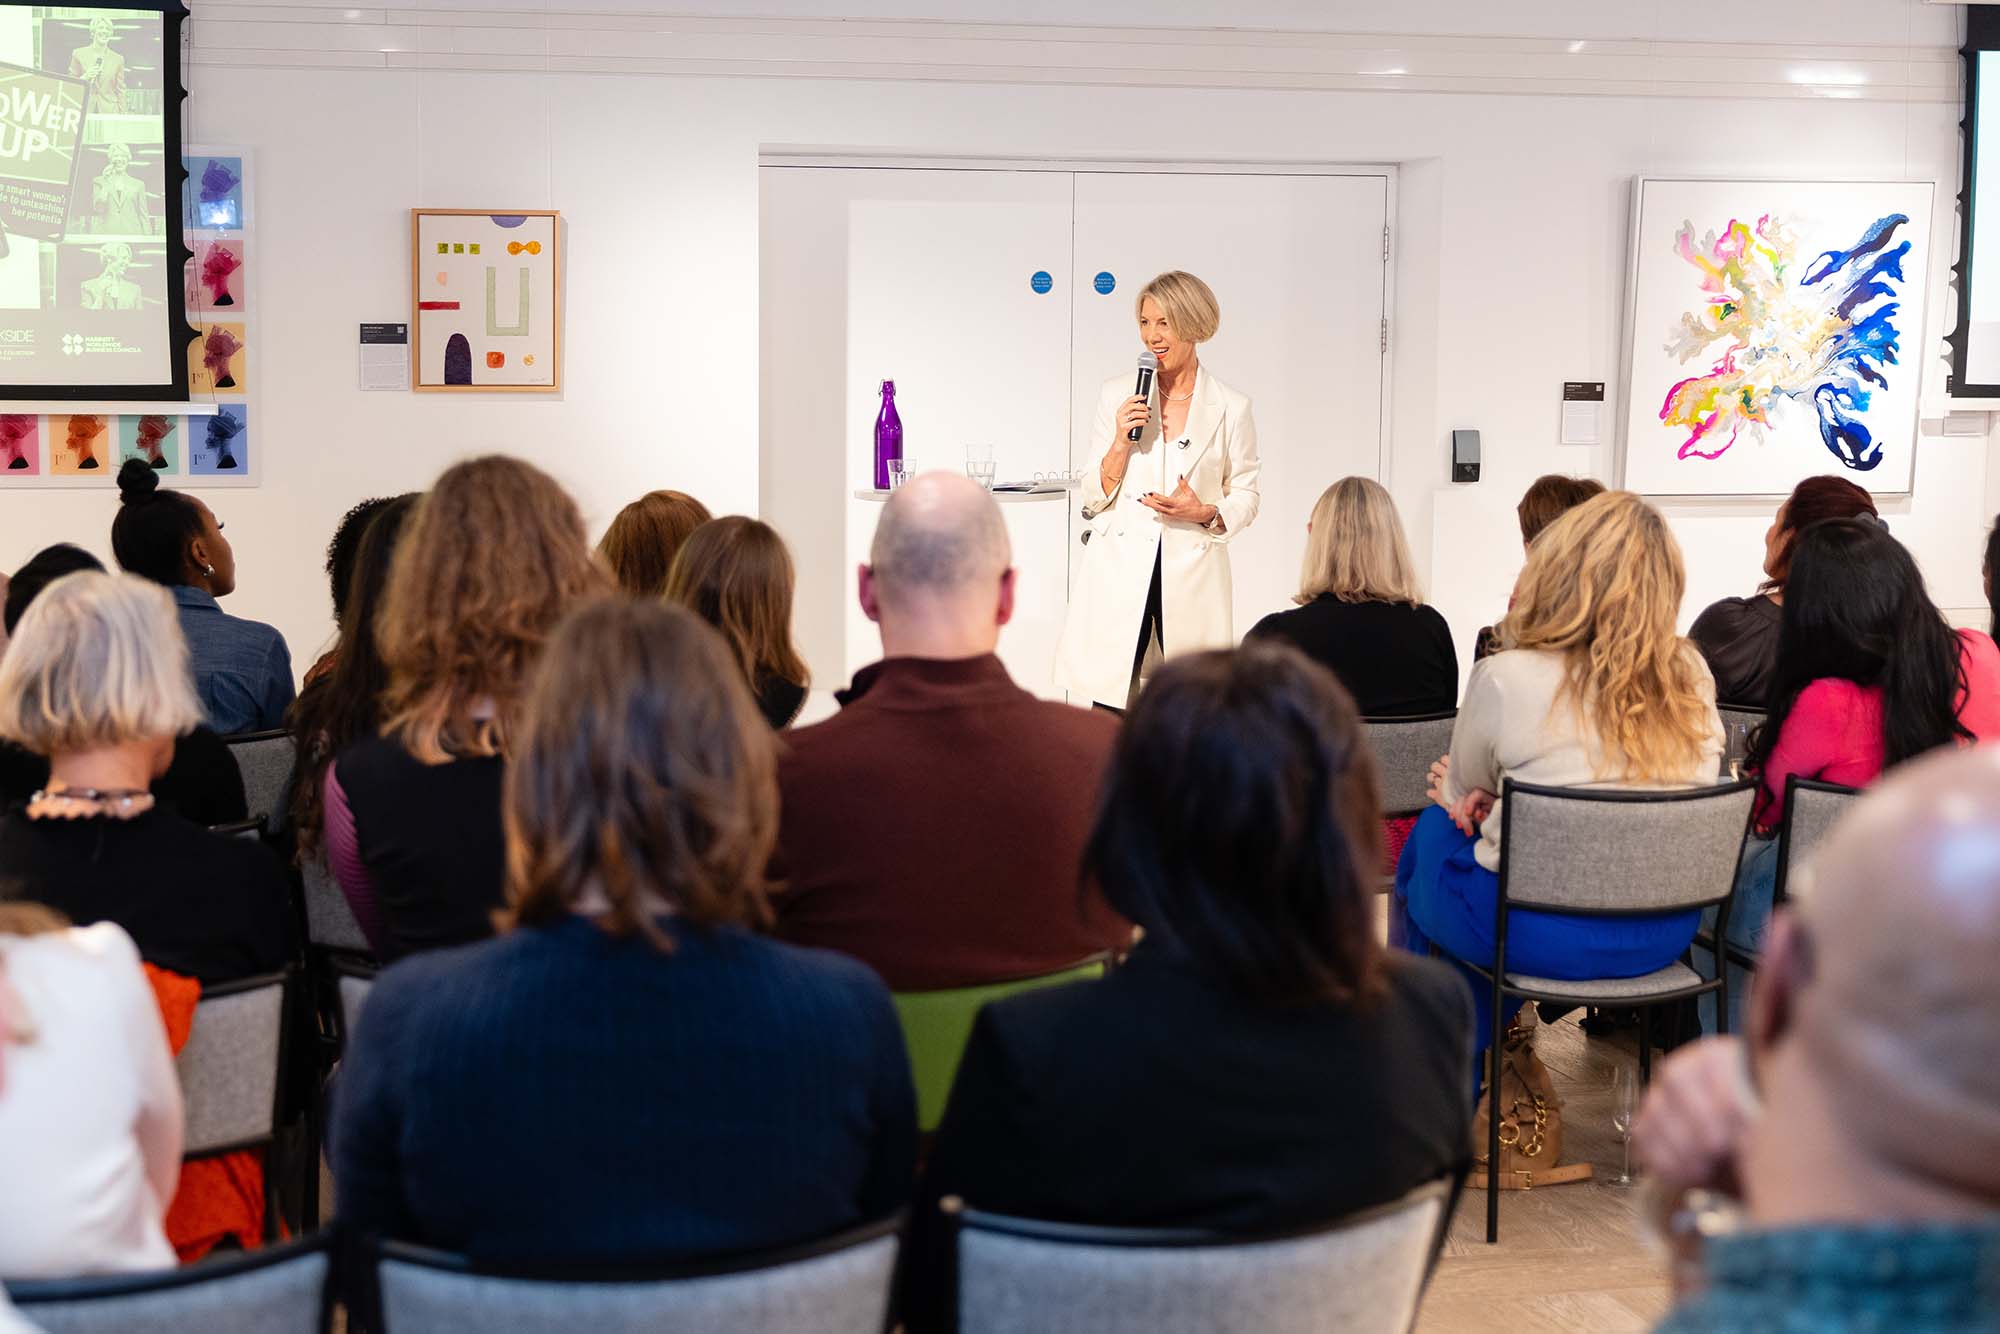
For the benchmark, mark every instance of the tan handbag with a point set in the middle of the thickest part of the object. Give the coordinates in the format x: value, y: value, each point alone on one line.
x: 1531, y: 1125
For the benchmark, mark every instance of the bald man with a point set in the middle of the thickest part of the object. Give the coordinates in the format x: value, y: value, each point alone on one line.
x: 933, y: 827
x: 1859, y: 1115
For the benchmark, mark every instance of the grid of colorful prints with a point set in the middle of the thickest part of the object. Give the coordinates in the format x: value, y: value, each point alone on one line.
x: 86, y: 449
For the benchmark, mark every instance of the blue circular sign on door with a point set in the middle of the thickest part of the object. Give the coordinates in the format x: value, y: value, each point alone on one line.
x: 1041, y: 281
x: 1104, y: 282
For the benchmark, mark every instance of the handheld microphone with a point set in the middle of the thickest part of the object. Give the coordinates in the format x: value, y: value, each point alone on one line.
x: 1148, y: 364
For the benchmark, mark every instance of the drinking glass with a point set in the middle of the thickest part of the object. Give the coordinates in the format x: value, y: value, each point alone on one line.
x: 899, y: 473
x: 1624, y: 1103
x: 979, y: 464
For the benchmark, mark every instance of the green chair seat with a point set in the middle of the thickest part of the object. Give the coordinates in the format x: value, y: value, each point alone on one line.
x: 938, y: 1024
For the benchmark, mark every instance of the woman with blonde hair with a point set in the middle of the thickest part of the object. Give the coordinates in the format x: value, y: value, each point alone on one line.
x: 1591, y: 688
x: 1361, y: 611
x: 640, y: 545
x: 90, y: 1108
x: 736, y: 574
x: 96, y: 681
x: 659, y: 1079
x: 491, y: 558
x: 1175, y: 482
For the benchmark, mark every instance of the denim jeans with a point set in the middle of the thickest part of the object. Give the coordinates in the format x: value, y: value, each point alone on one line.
x: 1749, y: 919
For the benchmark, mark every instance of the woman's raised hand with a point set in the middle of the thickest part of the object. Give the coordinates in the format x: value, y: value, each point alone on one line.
x: 1133, y: 412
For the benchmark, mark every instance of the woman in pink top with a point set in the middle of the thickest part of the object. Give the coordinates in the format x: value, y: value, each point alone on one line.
x: 1868, y: 675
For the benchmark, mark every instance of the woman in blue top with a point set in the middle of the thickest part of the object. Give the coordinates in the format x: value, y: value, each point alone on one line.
x: 242, y: 669
x: 629, y: 1073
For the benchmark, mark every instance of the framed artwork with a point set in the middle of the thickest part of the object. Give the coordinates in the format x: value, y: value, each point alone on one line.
x: 486, y: 297
x: 1773, y: 335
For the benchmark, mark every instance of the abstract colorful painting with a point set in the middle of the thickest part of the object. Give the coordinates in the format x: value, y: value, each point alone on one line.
x: 1775, y: 334
x: 487, y: 300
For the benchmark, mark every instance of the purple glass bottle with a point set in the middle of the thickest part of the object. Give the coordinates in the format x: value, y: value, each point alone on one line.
x: 888, y: 435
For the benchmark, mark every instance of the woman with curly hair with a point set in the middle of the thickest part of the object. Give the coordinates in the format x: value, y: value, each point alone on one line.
x: 492, y: 557
x: 1591, y: 688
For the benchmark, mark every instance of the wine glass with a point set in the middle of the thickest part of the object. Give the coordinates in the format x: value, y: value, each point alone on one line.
x: 1624, y: 1103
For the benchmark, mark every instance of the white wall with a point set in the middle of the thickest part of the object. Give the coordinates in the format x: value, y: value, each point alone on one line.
x: 1509, y: 276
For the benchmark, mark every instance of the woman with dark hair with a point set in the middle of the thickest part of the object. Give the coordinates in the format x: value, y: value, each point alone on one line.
x: 1738, y: 637
x: 1987, y: 569
x: 1259, y: 1062
x: 734, y: 1093
x: 1869, y: 674
x: 341, y: 553
x: 242, y: 669
x: 736, y: 574
x: 202, y: 784
x: 345, y: 705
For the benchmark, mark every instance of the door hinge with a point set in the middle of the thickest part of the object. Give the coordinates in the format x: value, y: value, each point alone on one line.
x: 1385, y: 242
x: 1385, y: 333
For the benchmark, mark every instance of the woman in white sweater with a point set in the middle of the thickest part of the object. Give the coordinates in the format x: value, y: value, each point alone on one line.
x: 1592, y: 688
x: 90, y: 1108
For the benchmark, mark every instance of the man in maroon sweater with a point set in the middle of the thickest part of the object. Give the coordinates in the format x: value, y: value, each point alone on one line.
x: 933, y: 827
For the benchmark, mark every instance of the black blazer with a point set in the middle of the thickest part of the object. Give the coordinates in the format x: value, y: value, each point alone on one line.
x: 1396, y: 660
x: 1160, y: 1098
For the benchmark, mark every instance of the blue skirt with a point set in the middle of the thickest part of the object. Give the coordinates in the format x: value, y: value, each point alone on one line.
x: 1445, y: 897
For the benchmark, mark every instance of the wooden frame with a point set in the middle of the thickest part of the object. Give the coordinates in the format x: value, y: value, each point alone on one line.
x: 417, y: 215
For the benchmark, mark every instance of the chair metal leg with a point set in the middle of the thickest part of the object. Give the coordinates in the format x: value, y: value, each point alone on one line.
x: 1722, y: 997
x: 1493, y: 1118
x: 1645, y: 1047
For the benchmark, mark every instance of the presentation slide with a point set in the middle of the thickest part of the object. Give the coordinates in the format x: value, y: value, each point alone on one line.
x: 84, y: 276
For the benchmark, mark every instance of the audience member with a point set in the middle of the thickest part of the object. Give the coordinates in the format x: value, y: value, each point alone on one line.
x: 629, y: 1073
x: 6, y: 584
x: 931, y: 828
x: 1595, y: 689
x: 1987, y: 568
x: 736, y: 574
x: 242, y: 670
x: 640, y: 544
x: 1222, y: 1077
x: 345, y: 705
x: 1859, y: 1116
x: 1361, y: 612
x: 1868, y: 674
x: 90, y: 1108
x: 493, y: 556
x: 1547, y: 499
x: 1739, y: 636
x: 202, y: 782
x: 341, y: 553
x: 97, y: 680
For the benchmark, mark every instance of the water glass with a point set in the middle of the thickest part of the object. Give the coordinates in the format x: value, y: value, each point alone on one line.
x: 979, y: 464
x: 899, y: 473
x: 1624, y: 1105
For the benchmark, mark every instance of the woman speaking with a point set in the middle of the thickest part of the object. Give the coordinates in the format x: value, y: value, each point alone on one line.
x: 1162, y: 508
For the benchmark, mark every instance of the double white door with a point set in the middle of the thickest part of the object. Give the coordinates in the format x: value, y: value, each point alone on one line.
x: 999, y: 302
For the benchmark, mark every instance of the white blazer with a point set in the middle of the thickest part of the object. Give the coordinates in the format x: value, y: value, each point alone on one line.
x: 1219, y: 460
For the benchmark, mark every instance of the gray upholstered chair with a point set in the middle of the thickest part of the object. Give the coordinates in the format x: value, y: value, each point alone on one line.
x: 265, y: 761
x: 836, y: 1286
x: 231, y: 1072
x: 1746, y: 715
x: 330, y: 922
x: 352, y: 979
x: 278, y: 1290
x: 1405, y: 749
x: 1811, y: 808
x: 1361, y: 1275
x: 1599, y: 852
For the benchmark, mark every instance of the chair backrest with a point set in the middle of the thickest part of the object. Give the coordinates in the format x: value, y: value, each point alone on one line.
x: 1405, y: 749
x: 1599, y: 850
x: 1811, y: 808
x: 353, y: 980
x: 937, y: 1025
x: 265, y: 761
x: 278, y: 1290
x: 1361, y: 1275
x: 1740, y: 713
x: 230, y: 1065
x: 330, y: 922
x: 251, y: 829
x: 838, y: 1286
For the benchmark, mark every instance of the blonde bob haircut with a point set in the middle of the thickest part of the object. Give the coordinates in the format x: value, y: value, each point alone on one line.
x: 97, y: 660
x: 643, y: 779
x: 1190, y: 307
x: 1356, y: 550
x: 1603, y: 587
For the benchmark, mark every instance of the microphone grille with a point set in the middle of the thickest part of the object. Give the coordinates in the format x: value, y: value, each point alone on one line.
x: 1148, y: 362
